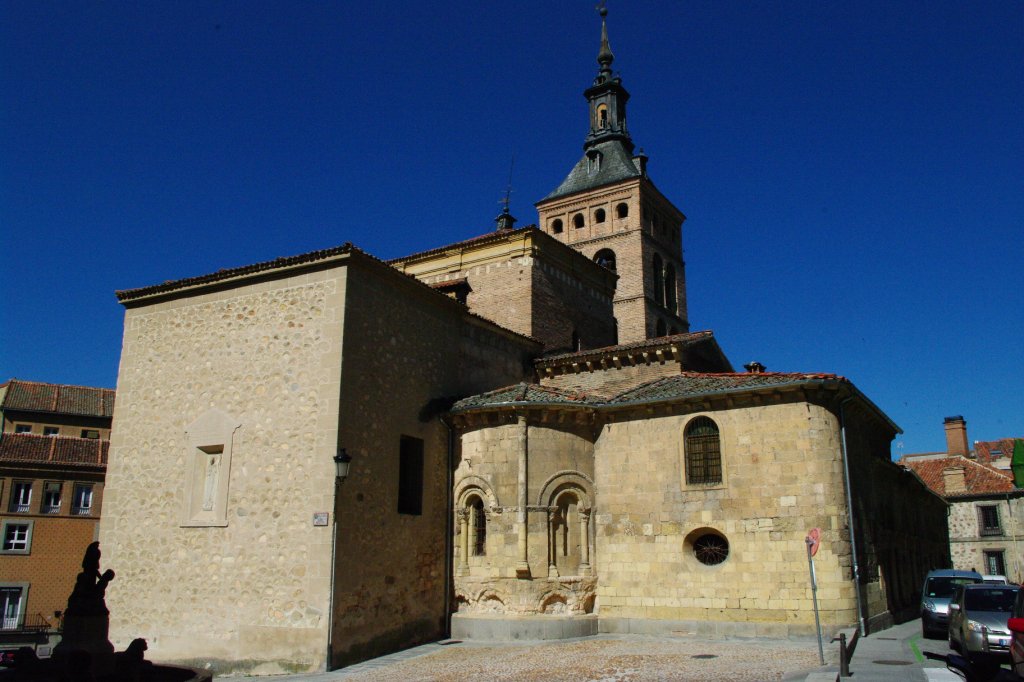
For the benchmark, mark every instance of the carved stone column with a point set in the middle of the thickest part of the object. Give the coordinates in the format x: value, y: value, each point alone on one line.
x: 584, y: 514
x: 523, y: 565
x: 463, y: 519
x: 553, y: 520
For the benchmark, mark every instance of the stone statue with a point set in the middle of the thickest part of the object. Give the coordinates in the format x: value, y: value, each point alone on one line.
x: 87, y: 620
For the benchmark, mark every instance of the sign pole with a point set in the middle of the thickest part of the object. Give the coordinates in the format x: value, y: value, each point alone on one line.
x: 809, y: 542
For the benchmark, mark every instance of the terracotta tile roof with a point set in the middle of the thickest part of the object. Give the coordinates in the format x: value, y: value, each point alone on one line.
x: 526, y: 393
x: 33, y: 396
x: 493, y: 235
x: 989, y: 450
x: 692, y: 384
x: 28, y: 448
x: 687, y: 339
x: 229, y: 273
x: 684, y: 385
x: 978, y: 478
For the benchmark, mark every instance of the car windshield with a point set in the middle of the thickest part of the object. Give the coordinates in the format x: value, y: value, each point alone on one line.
x: 990, y: 600
x: 945, y: 585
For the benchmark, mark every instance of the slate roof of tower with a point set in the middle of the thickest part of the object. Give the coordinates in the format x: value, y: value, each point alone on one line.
x: 28, y: 448
x: 616, y: 165
x: 32, y: 396
x: 684, y: 385
x: 978, y: 478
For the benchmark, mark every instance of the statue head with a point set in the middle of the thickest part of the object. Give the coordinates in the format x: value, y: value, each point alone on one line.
x: 91, y: 560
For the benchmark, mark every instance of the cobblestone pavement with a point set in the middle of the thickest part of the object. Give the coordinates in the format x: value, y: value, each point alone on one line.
x: 622, y: 658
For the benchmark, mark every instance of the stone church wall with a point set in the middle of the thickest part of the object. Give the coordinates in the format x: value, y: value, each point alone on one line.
x: 404, y: 347
x: 559, y: 460
x: 782, y: 476
x: 249, y: 592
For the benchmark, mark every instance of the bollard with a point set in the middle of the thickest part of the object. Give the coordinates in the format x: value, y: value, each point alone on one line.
x: 844, y: 661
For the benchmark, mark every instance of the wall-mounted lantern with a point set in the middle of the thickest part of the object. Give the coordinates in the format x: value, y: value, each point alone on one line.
x: 342, y: 462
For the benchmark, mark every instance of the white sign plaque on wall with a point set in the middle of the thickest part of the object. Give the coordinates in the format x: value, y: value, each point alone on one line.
x: 320, y: 518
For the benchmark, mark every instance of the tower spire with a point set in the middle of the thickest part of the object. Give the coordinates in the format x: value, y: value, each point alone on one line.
x: 605, y: 56
x: 607, y: 97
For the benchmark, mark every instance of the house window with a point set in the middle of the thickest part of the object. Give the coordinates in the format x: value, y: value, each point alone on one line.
x: 994, y: 563
x: 602, y: 116
x: 703, y: 452
x: 622, y: 210
x: 12, y: 606
x: 91, y: 434
x: 988, y: 520
x: 23, y: 428
x: 410, y: 476
x: 21, y: 496
x: 81, y: 503
x: 577, y: 220
x: 51, y: 498
x: 599, y: 215
x: 17, y: 537
x: 51, y: 430
x: 556, y: 226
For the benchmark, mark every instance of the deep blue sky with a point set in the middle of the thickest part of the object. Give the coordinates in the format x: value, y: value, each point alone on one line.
x: 853, y: 173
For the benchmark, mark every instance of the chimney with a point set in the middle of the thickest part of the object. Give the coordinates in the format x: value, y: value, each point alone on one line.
x: 755, y: 367
x: 953, y: 480
x: 956, y: 436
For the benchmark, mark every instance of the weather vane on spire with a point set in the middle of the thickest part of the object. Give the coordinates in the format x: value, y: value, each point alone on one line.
x: 505, y: 220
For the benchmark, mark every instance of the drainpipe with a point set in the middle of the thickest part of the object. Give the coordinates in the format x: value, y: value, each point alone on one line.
x: 849, y: 515
x: 1016, y: 553
x: 449, y: 561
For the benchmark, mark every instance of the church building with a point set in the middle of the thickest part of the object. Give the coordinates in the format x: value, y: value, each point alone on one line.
x: 538, y: 446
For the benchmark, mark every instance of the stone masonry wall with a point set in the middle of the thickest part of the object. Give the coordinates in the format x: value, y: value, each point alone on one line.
x: 252, y: 595
x: 559, y: 457
x: 968, y: 546
x: 404, y: 348
x: 781, y: 476
x: 563, y: 305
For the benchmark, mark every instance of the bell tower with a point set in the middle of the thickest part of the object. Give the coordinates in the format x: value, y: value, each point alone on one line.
x: 608, y: 209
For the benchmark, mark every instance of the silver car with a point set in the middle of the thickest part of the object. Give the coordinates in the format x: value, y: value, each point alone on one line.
x: 977, y: 620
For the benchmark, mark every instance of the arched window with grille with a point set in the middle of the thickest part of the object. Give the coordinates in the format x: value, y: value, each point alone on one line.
x: 577, y: 220
x: 622, y: 210
x: 703, y: 449
x: 556, y: 225
x: 477, y: 526
x: 659, y: 279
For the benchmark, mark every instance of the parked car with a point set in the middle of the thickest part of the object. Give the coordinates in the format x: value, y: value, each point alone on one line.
x: 978, y: 616
x: 936, y: 594
x: 995, y: 580
x: 1016, y: 626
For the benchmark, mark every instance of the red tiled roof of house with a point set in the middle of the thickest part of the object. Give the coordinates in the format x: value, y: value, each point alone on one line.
x: 986, y: 451
x: 978, y: 478
x: 28, y: 448
x: 33, y: 396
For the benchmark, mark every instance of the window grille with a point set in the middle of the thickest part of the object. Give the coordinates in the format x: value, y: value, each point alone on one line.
x: 51, y: 497
x: 479, y: 520
x: 703, y: 452
x: 988, y: 520
x: 994, y: 564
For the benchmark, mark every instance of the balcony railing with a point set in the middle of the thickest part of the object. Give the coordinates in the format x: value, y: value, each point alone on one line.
x: 20, y: 508
x: 82, y: 511
x: 33, y: 622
